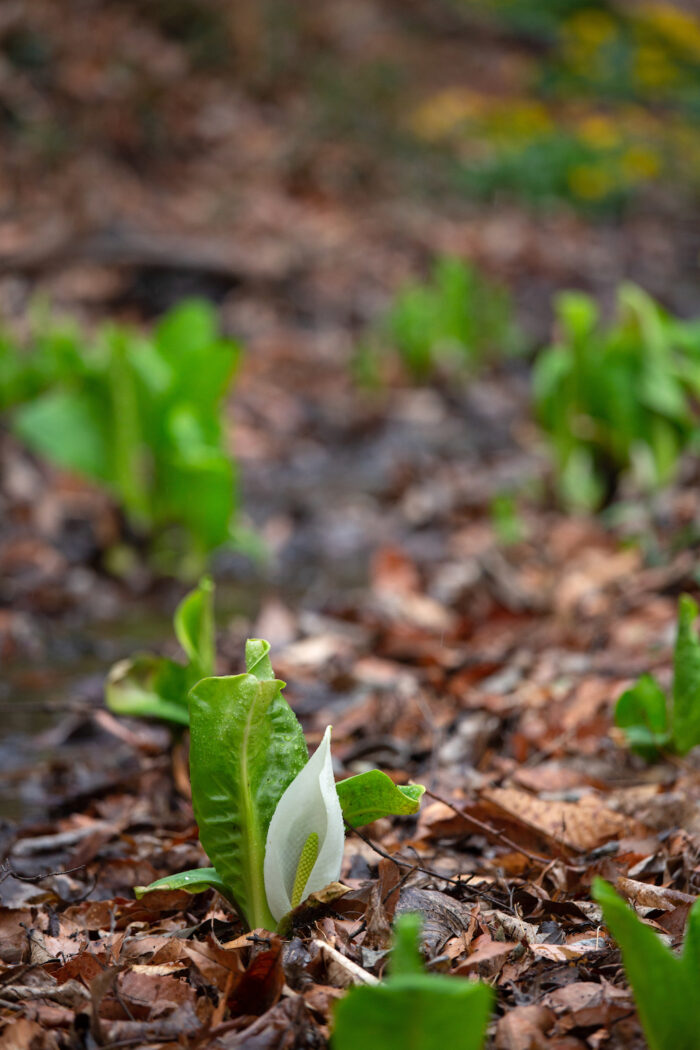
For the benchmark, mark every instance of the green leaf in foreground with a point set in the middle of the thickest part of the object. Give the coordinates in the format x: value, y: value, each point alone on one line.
x: 371, y: 795
x: 196, y: 881
x: 685, y: 722
x: 246, y: 746
x: 413, y: 1009
x: 665, y: 986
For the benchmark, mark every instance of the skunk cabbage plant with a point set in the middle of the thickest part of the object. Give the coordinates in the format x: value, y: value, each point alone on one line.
x: 270, y: 819
x: 150, y: 686
x: 650, y: 722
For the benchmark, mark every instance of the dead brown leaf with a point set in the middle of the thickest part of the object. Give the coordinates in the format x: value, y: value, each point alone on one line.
x: 580, y: 826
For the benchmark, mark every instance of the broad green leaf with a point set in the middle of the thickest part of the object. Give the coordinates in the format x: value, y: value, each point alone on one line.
x: 371, y: 795
x: 413, y: 1010
x: 246, y: 746
x: 196, y: 881
x: 665, y: 986
x: 187, y: 329
x: 685, y: 726
x: 201, y: 362
x: 641, y: 714
x: 198, y: 493
x: 65, y: 426
x: 194, y: 629
x: 149, y: 686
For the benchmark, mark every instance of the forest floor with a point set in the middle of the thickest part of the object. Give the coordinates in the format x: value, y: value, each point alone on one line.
x: 486, y: 670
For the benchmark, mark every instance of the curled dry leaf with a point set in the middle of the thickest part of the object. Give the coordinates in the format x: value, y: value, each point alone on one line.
x: 581, y: 826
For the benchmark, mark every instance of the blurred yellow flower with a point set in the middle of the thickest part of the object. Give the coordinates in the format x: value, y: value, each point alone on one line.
x: 652, y: 67
x: 599, y: 131
x: 590, y: 182
x: 591, y: 27
x: 640, y: 163
x: 524, y: 120
x: 443, y: 112
x: 679, y: 27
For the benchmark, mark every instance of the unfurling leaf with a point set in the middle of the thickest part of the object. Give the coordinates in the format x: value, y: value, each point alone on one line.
x: 150, y: 686
x: 194, y: 629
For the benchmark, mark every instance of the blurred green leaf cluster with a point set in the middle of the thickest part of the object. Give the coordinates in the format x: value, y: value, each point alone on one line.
x: 595, y: 169
x: 617, y: 399
x: 604, y: 105
x: 665, y: 985
x: 139, y: 413
x: 648, y: 54
x: 649, y: 723
x: 412, y: 1008
x: 457, y: 319
x: 537, y: 18
x: 150, y: 686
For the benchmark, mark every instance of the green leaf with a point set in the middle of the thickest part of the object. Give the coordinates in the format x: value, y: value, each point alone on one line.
x: 406, y: 959
x: 65, y: 426
x: 691, y: 945
x: 194, y: 628
x: 685, y: 727
x: 413, y: 1010
x: 577, y: 313
x: 369, y: 796
x: 199, y: 493
x: 665, y: 986
x: 149, y: 686
x: 246, y: 747
x: 641, y: 713
x: 142, y: 414
x: 257, y: 659
x: 127, y: 446
x: 196, y: 881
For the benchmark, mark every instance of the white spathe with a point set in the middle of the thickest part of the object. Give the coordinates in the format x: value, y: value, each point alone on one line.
x: 310, y: 804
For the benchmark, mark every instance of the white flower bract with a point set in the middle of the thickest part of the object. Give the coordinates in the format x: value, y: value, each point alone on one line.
x: 309, y: 805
